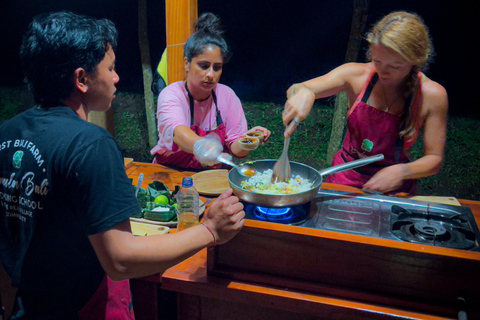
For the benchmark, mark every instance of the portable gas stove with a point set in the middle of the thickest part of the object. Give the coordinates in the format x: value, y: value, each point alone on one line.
x: 381, y: 217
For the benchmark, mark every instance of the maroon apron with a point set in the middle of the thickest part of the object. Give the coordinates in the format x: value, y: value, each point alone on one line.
x: 184, y: 159
x: 369, y: 132
x: 111, y: 301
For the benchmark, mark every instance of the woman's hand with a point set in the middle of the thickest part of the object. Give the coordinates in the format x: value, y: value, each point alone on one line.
x: 207, y: 149
x: 266, y: 133
x: 298, y: 106
x: 388, y: 179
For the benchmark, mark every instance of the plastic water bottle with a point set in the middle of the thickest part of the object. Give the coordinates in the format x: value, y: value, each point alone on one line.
x: 187, y: 205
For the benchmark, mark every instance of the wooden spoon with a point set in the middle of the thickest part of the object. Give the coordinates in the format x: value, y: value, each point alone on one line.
x: 281, y: 170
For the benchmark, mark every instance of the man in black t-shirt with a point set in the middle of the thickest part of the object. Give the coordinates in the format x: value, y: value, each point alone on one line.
x: 65, y: 200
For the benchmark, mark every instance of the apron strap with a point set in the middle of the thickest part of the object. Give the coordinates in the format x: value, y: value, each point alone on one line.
x: 218, y: 118
x: 369, y: 89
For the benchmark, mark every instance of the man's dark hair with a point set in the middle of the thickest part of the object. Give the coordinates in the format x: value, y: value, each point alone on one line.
x: 55, y: 45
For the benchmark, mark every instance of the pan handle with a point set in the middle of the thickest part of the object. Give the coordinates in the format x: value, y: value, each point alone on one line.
x: 351, y: 165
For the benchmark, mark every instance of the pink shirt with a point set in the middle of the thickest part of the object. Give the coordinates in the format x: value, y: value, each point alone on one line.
x: 173, y: 110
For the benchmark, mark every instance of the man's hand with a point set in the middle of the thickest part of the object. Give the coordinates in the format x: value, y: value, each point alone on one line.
x: 225, y: 217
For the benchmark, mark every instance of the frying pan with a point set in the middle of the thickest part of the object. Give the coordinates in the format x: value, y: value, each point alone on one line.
x: 306, y: 172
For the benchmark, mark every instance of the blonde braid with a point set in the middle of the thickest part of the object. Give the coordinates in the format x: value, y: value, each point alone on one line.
x: 411, y: 86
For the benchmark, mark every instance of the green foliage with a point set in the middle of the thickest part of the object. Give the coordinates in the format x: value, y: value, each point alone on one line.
x: 131, y: 133
x: 460, y: 173
x: 7, y: 107
x: 308, y: 144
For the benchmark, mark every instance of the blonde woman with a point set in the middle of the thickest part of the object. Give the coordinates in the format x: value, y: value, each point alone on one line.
x: 390, y: 100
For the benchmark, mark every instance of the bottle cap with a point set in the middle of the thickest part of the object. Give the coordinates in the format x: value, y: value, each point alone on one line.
x: 187, y: 182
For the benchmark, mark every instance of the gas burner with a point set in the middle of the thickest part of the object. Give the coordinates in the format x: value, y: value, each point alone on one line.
x: 430, y: 228
x: 273, y: 214
x: 290, y: 215
x: 433, y: 228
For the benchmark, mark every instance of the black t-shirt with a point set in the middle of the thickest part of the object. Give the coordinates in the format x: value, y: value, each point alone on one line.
x: 61, y: 179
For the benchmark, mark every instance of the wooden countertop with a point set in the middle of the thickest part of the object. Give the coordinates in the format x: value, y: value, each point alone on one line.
x: 190, y: 276
x: 171, y: 178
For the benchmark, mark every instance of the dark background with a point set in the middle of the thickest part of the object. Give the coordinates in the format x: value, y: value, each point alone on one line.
x: 274, y: 43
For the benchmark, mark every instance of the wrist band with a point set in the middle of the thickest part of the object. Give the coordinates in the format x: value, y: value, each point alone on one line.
x: 214, y: 239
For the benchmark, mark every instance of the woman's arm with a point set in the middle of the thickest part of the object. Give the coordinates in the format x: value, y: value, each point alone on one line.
x: 184, y: 138
x: 301, y: 97
x: 434, y: 111
x: 434, y: 132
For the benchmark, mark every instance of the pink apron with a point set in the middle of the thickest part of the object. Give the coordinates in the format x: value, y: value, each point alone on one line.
x: 184, y: 159
x: 111, y: 301
x: 369, y: 132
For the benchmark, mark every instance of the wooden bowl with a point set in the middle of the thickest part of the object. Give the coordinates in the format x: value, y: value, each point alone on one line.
x: 249, y: 143
x: 256, y: 134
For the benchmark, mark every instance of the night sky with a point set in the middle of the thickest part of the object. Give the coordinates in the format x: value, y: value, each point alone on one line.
x: 274, y: 43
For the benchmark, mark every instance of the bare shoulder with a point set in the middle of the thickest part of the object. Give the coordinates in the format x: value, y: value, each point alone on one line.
x: 355, y: 74
x: 354, y: 70
x: 435, y: 98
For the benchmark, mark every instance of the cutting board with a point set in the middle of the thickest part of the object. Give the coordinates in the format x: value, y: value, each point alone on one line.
x: 211, y: 182
x: 443, y: 200
x: 127, y: 162
x: 147, y: 229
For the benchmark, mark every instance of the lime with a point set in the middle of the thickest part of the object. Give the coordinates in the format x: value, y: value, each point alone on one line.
x: 161, y: 199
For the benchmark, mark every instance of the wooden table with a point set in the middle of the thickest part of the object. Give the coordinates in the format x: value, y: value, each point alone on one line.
x: 150, y: 301
x: 200, y: 296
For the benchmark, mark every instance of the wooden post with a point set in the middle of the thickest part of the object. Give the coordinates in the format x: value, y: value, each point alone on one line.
x: 102, y: 119
x: 339, y: 122
x: 144, y: 46
x: 179, y: 17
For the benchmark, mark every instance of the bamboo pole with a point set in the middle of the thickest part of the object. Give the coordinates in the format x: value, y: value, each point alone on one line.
x: 179, y: 18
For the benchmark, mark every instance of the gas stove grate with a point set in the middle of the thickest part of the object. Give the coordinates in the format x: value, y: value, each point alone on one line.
x: 433, y: 228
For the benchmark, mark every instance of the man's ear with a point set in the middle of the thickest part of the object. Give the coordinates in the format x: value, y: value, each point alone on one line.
x: 186, y: 64
x: 80, y: 80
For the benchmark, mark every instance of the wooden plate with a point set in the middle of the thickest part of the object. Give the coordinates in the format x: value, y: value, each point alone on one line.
x: 211, y: 182
x: 147, y: 229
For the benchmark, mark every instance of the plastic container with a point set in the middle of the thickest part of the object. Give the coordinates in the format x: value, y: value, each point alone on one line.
x: 187, y: 205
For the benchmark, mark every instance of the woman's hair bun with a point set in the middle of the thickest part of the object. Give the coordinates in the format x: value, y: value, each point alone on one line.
x: 208, y: 31
x: 209, y: 23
